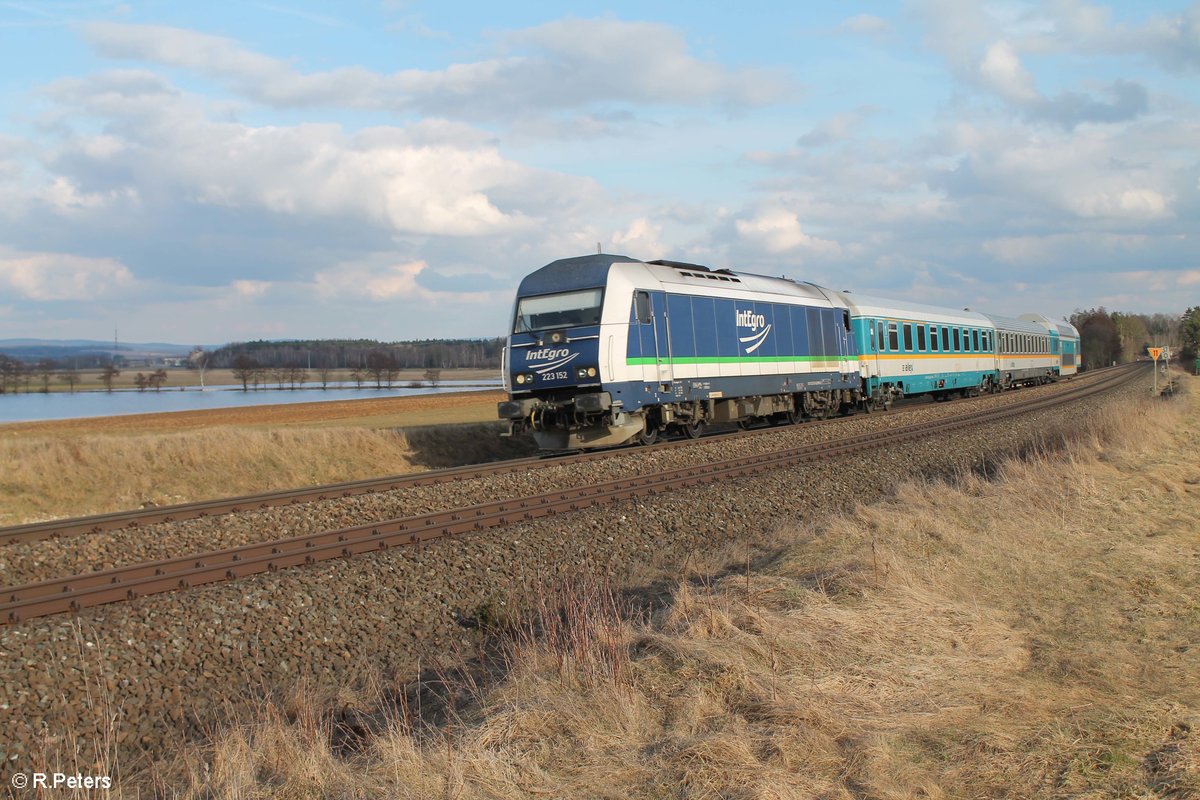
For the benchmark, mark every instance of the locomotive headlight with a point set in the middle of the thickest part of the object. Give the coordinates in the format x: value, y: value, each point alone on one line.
x: 520, y: 379
x: 556, y: 337
x: 591, y: 372
x: 585, y: 372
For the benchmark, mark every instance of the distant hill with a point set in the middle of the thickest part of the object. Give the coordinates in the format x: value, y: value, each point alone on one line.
x: 66, y: 349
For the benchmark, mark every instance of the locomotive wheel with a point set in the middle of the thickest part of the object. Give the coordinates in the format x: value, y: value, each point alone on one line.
x: 692, y: 429
x: 648, y: 435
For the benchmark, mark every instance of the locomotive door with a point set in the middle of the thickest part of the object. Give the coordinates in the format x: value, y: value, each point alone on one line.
x: 664, y: 370
x: 650, y: 310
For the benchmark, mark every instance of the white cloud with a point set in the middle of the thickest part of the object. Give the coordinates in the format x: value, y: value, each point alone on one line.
x: 1001, y: 69
x: 868, y: 24
x: 380, y: 278
x: 61, y: 276
x: 250, y: 288
x: 433, y: 178
x: 777, y: 230
x: 565, y: 64
x: 1132, y: 204
x: 642, y: 239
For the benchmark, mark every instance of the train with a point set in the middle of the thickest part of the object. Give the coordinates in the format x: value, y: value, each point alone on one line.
x: 606, y: 350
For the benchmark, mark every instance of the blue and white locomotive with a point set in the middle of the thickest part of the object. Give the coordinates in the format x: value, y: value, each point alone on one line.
x: 607, y: 349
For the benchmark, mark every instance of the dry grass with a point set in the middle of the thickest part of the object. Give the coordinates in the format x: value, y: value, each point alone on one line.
x: 42, y: 478
x: 48, y: 477
x: 1033, y: 636
x: 76, y: 467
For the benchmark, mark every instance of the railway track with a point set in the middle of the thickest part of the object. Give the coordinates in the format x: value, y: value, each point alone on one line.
x: 77, y: 592
x: 135, y: 518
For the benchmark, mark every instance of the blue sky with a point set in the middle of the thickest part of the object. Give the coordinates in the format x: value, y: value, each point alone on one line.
x: 221, y: 171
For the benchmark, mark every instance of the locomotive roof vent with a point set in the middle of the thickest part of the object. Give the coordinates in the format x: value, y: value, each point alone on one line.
x: 679, y: 265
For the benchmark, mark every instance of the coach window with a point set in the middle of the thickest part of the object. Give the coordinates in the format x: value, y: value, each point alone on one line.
x: 921, y: 343
x: 881, y: 341
x: 871, y: 326
x: 975, y: 339
x: 957, y: 342
x: 933, y: 338
x: 893, y: 338
x: 908, y: 342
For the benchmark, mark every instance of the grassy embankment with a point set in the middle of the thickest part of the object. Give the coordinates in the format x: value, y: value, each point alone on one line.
x: 1033, y: 636
x: 86, y: 466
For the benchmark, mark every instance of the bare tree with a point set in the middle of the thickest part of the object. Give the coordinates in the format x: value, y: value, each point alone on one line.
x: 381, y: 365
x: 434, y: 376
x: 140, y: 381
x: 199, y: 358
x: 108, y: 375
x: 45, y: 371
x: 71, y: 378
x: 156, y: 379
x: 358, y: 375
x: 323, y: 375
x: 245, y: 369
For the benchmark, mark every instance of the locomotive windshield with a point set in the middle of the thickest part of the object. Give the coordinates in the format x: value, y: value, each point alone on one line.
x: 558, y: 310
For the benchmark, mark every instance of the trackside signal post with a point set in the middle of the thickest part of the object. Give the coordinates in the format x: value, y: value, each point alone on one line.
x: 1155, y: 352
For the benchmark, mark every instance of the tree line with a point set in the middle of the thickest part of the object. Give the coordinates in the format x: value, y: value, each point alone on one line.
x: 354, y: 354
x: 16, y: 375
x: 1116, y: 337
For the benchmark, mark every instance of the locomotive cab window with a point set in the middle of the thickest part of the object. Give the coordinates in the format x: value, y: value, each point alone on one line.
x: 559, y: 310
x: 641, y: 304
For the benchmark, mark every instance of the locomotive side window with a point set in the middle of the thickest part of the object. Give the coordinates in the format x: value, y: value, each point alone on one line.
x: 641, y: 302
x: 559, y: 310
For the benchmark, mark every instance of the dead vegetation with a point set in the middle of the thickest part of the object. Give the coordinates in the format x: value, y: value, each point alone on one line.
x: 47, y: 477
x: 1036, y: 635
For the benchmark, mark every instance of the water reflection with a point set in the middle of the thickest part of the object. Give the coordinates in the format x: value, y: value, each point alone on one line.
x: 64, y: 405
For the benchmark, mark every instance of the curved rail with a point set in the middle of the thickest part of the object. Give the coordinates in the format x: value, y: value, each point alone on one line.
x: 73, y: 593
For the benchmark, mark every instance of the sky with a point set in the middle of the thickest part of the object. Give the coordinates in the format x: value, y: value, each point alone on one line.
x: 225, y: 171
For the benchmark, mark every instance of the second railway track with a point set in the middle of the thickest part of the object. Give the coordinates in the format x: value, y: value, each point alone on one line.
x: 124, y: 583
